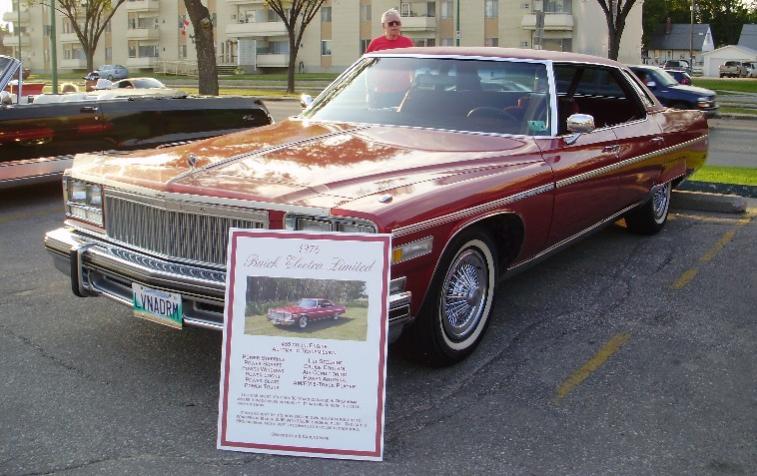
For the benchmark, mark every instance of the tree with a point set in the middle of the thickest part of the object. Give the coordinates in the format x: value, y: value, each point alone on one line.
x: 296, y: 15
x: 95, y: 15
x: 616, y: 12
x: 199, y: 15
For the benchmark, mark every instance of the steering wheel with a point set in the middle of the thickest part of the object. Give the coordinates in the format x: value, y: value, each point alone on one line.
x: 491, y: 113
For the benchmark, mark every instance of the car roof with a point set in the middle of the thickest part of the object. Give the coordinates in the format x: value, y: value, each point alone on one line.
x: 495, y: 52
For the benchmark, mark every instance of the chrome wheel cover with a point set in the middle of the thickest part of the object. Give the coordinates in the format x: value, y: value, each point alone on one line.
x: 464, y: 294
x: 661, y: 202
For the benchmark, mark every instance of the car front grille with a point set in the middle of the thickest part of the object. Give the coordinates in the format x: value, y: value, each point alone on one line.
x: 185, y: 231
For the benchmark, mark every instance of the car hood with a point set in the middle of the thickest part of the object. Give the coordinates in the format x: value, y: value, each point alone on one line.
x: 307, y: 164
x: 693, y: 90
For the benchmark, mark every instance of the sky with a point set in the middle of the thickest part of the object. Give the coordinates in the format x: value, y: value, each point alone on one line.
x: 5, y: 6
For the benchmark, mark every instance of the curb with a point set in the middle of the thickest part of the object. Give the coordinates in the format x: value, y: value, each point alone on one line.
x: 708, y: 202
x: 719, y: 188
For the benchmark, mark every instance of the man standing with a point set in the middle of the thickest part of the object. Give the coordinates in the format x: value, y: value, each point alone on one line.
x: 392, y: 38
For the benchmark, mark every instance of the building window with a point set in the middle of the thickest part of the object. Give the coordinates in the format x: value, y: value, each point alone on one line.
x: 325, y: 47
x: 524, y: 44
x: 446, y: 42
x: 325, y: 14
x: 107, y: 27
x: 183, y: 51
x: 365, y: 13
x: 425, y: 42
x: 491, y: 8
x: 108, y: 53
x: 431, y: 9
x: 491, y: 42
x: 364, y: 45
x: 566, y: 44
x: 446, y: 9
x: 557, y: 6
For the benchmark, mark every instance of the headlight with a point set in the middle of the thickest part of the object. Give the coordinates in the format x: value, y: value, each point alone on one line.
x: 83, y: 200
x: 308, y: 223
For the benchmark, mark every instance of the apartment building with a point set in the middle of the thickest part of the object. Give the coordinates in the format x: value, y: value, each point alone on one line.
x: 144, y: 33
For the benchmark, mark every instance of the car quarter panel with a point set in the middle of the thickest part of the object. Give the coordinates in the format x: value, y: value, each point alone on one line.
x: 686, y: 141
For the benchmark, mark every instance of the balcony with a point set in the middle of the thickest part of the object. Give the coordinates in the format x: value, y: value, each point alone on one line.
x: 12, y: 17
x: 142, y: 34
x: 268, y: 28
x: 13, y: 40
x: 246, y: 2
x: 142, y: 62
x: 419, y: 23
x: 552, y: 22
x: 142, y: 5
x: 272, y: 60
x: 73, y: 64
x: 68, y: 38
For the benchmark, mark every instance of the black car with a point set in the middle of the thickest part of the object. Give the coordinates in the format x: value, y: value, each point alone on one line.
x: 39, y: 135
x: 671, y: 94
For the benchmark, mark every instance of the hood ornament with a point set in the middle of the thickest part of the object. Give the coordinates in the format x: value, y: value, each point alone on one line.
x: 192, y: 161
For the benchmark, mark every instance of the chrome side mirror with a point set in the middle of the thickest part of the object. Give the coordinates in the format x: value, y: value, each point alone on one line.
x: 306, y: 100
x: 6, y: 99
x: 579, y: 124
x: 651, y: 84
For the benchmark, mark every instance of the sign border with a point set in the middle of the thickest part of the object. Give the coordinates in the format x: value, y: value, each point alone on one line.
x: 283, y: 234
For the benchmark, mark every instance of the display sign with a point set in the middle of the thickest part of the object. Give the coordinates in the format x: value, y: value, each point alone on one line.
x: 304, y: 344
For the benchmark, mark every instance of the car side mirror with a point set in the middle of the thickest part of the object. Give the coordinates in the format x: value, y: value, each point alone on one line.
x: 306, y: 100
x: 579, y: 124
x: 6, y: 99
x: 651, y: 84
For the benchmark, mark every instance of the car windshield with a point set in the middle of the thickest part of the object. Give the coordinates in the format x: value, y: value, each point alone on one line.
x: 506, y: 97
x: 663, y: 78
x: 308, y: 303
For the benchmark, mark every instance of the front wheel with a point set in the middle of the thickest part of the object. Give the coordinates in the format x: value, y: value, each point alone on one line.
x: 302, y: 322
x: 649, y: 217
x: 459, y: 302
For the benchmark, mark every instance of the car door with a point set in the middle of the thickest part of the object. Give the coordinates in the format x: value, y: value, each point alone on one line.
x: 585, y: 182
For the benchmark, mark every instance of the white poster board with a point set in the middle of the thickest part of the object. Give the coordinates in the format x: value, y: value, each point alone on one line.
x: 304, y: 344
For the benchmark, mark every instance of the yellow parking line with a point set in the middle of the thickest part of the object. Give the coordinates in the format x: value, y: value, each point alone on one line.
x: 607, y: 351
x: 708, y: 256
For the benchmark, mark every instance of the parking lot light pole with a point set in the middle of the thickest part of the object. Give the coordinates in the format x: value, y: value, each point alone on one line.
x: 691, y: 39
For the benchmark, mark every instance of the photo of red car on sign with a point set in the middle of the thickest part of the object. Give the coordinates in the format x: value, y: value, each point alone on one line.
x: 305, y: 311
x: 306, y: 308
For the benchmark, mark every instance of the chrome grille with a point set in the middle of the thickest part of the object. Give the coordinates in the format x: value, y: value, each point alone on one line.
x: 186, y: 231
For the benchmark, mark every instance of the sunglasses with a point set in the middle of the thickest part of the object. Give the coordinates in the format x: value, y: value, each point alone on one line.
x: 393, y: 23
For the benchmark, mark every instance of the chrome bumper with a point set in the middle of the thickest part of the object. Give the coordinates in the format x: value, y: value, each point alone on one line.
x: 99, y: 268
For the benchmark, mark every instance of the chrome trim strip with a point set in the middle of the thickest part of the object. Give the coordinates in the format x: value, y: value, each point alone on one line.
x: 569, y: 240
x: 618, y: 165
x: 467, y: 212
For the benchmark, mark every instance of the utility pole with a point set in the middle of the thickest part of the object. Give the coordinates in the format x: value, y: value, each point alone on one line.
x: 691, y: 38
x: 21, y: 69
x: 53, y: 48
x: 458, y: 34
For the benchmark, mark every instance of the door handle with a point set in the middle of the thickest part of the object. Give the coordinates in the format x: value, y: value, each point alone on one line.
x: 89, y: 109
x: 611, y: 149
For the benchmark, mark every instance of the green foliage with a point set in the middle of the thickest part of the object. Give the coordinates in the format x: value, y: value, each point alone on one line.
x: 265, y: 292
x: 725, y: 86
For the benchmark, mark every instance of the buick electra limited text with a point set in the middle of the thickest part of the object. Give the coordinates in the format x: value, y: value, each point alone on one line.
x: 478, y: 161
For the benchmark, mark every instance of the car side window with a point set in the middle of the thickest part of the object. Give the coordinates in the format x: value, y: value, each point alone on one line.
x: 635, y: 83
x: 602, y: 92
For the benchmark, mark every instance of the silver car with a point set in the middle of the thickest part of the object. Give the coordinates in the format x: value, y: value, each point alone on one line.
x: 113, y: 72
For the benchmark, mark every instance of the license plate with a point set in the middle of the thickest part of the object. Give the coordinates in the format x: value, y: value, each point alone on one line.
x: 157, y: 306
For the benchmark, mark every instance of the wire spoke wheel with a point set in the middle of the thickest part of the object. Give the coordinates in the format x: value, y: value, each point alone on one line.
x: 464, y: 294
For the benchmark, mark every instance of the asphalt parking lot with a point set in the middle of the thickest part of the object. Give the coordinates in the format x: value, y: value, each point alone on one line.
x: 623, y: 355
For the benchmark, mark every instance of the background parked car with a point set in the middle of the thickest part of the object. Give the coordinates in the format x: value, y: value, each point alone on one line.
x: 112, y: 72
x: 681, y: 76
x: 732, y: 69
x: 671, y: 94
x: 678, y: 64
x: 751, y: 69
x: 138, y: 83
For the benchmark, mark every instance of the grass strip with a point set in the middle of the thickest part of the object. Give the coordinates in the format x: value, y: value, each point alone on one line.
x: 728, y: 175
x: 738, y: 110
x: 743, y: 85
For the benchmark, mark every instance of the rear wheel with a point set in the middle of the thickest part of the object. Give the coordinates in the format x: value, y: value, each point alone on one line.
x: 459, y: 302
x: 649, y: 217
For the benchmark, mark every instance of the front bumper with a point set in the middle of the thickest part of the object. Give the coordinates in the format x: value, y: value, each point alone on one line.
x: 100, y: 268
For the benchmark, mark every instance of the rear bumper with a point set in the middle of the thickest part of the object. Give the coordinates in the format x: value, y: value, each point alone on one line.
x: 99, y: 268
